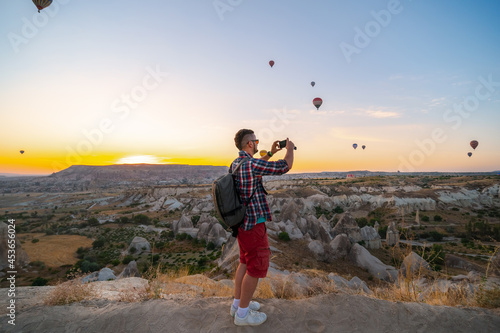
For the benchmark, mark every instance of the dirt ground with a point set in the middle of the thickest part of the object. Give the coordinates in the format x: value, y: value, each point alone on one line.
x: 53, y: 250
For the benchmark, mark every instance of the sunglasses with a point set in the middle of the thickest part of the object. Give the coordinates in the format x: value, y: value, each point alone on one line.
x: 256, y: 141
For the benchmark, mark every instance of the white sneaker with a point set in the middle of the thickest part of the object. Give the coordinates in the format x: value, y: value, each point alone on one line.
x: 253, y: 306
x: 253, y: 318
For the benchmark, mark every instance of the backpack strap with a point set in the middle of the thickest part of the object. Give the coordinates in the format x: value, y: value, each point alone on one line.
x: 243, y: 160
x: 238, y: 165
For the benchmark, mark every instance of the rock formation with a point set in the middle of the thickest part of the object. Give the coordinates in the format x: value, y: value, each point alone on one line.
x: 140, y: 244
x: 414, y: 264
x: 371, y: 238
x: 347, y: 225
x: 22, y: 258
x: 362, y: 258
x: 130, y: 271
x: 392, y: 235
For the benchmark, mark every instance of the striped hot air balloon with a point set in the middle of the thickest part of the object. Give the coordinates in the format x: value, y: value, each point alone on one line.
x: 474, y: 144
x: 317, y: 102
x: 41, y: 4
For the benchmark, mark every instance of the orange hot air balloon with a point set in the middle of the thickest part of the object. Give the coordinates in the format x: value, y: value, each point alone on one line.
x: 469, y: 153
x: 41, y: 4
x: 263, y: 153
x: 317, y: 102
x: 474, y: 144
x: 271, y: 63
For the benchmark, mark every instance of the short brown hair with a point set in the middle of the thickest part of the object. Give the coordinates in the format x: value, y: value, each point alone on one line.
x: 240, y: 135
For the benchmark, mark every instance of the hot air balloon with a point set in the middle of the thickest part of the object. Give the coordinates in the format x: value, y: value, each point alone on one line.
x: 469, y: 153
x: 355, y: 145
x: 363, y: 146
x: 474, y: 144
x: 41, y: 4
x: 263, y: 153
x: 21, y: 151
x: 271, y: 63
x: 313, y: 83
x: 317, y: 102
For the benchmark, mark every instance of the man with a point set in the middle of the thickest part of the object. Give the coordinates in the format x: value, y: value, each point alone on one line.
x: 252, y: 235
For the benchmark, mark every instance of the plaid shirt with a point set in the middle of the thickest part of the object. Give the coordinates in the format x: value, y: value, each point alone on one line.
x: 249, y: 178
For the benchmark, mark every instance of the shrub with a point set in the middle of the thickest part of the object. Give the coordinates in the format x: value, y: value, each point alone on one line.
x: 195, y: 219
x: 438, y: 218
x: 211, y: 246
x: 382, y: 231
x: 93, y: 222
x: 98, y: 243
x: 362, y: 221
x: 338, y: 210
x: 142, y: 219
x: 39, y: 281
x: 127, y: 259
x: 284, y: 236
x: 38, y: 263
x: 436, y: 236
x: 87, y: 266
x: 35, y: 240
x: 425, y: 218
x: 181, y: 236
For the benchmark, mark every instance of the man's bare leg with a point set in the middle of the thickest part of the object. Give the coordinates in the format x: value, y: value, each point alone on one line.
x: 238, y: 279
x: 248, y: 286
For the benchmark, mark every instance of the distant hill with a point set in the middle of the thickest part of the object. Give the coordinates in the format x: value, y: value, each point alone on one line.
x: 88, y: 177
x: 141, y: 172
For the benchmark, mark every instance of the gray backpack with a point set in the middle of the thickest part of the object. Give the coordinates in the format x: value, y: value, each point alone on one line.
x: 227, y: 200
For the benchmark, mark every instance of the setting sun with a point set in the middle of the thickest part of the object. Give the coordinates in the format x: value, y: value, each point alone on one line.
x: 139, y: 159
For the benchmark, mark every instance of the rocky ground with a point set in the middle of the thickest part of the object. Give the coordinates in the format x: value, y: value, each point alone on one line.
x: 338, y: 312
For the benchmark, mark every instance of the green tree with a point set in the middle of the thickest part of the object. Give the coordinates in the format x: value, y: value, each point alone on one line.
x: 142, y: 219
x: 98, y: 243
x: 93, y: 222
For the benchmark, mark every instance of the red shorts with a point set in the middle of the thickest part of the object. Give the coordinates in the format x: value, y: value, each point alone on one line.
x: 254, y: 250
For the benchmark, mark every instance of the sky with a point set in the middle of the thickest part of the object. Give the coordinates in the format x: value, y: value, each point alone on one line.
x: 156, y: 81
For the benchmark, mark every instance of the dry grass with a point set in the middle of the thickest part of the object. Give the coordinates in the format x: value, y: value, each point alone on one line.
x: 72, y: 291
x: 410, y: 289
x: 180, y: 282
x: 54, y: 250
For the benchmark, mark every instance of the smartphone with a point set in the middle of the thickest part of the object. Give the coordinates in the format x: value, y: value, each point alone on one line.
x: 282, y: 144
